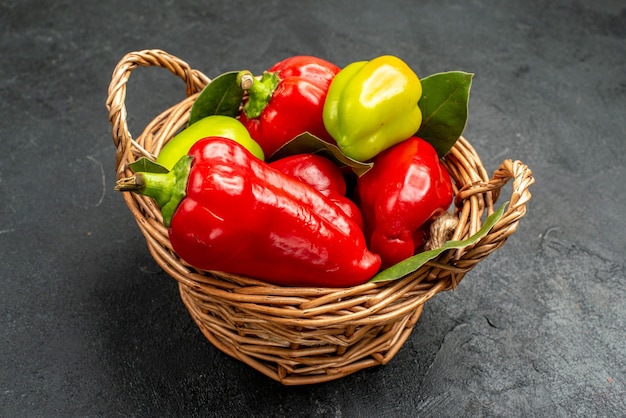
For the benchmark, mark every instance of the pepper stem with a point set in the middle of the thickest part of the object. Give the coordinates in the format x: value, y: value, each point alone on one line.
x: 167, y: 189
x: 259, y: 91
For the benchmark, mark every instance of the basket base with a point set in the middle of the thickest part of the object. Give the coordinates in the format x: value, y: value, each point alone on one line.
x: 327, y: 359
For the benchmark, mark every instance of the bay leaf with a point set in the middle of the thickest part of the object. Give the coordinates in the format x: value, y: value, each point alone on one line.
x: 307, y: 143
x: 444, y: 106
x: 222, y: 96
x: 145, y: 165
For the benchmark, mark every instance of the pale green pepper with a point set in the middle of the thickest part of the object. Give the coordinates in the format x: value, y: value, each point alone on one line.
x: 214, y: 125
x: 373, y: 105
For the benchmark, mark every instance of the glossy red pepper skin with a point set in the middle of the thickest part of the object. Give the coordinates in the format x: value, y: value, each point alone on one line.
x: 295, y: 103
x: 324, y: 176
x: 240, y: 215
x: 407, y: 187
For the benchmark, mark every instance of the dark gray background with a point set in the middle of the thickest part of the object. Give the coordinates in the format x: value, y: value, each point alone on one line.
x: 91, y: 325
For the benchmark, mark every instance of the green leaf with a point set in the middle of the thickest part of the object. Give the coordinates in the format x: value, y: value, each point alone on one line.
x: 444, y: 103
x: 222, y: 96
x: 307, y: 143
x: 411, y: 264
x: 145, y: 165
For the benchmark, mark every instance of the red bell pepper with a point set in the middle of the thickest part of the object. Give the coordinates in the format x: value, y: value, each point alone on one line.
x: 324, y: 176
x: 227, y: 210
x: 406, y: 188
x: 287, y: 101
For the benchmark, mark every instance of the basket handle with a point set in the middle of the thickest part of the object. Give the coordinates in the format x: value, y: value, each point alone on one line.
x: 522, y: 178
x: 194, y: 80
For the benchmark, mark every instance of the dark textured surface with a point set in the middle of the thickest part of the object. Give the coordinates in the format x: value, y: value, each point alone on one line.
x: 91, y: 325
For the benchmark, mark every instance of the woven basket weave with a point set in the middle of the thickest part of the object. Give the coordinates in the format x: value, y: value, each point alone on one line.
x: 308, y: 335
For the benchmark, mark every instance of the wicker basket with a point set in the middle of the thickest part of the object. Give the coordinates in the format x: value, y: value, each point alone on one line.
x: 308, y: 335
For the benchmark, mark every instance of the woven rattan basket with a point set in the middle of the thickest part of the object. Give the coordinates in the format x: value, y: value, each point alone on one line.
x: 308, y: 335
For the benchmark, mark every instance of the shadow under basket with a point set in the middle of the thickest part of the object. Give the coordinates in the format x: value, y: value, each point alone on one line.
x: 298, y: 335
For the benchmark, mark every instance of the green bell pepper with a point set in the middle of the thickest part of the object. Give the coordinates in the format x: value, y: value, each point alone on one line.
x: 373, y: 105
x: 214, y: 125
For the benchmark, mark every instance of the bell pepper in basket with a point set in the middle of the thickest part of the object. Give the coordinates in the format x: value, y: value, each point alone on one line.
x: 373, y: 105
x: 226, y: 210
x: 406, y: 188
x: 324, y: 176
x: 286, y: 101
x: 214, y: 125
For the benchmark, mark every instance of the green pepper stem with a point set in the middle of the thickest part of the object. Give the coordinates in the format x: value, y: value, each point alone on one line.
x: 259, y: 91
x: 167, y: 189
